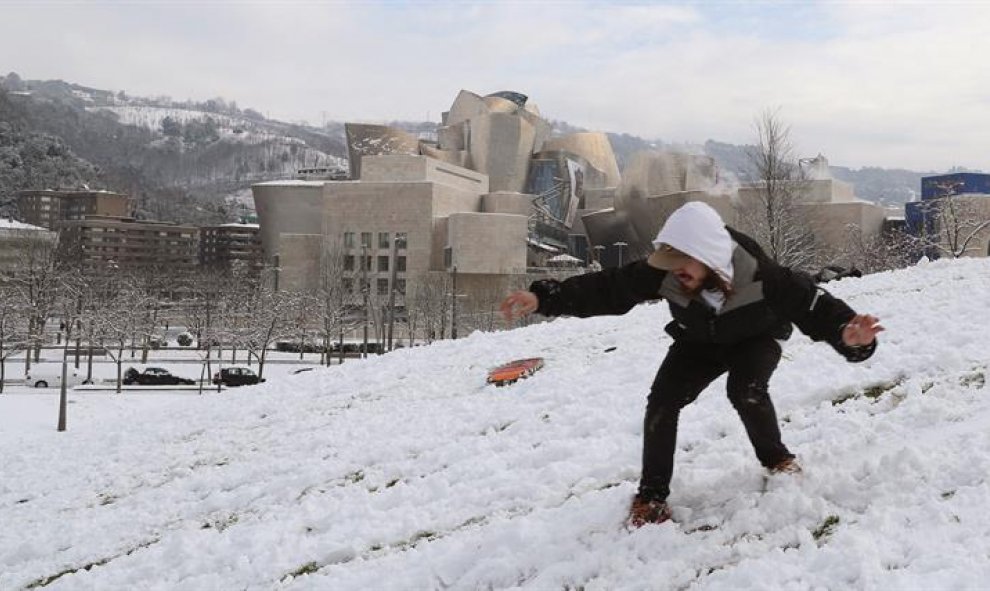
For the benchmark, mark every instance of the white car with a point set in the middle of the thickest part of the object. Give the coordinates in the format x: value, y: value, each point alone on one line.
x: 52, y: 378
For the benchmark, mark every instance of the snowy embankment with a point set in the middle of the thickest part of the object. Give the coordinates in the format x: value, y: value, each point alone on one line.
x: 408, y: 472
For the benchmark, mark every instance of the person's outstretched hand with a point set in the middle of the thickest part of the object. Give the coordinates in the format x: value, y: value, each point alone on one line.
x: 861, y: 330
x: 518, y: 304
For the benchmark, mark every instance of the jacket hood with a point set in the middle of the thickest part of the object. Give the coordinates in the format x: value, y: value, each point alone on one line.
x: 696, y: 230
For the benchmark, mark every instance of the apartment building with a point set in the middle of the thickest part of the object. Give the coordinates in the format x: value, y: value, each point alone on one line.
x: 48, y: 208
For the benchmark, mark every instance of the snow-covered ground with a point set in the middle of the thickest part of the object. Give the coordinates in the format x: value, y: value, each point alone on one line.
x: 407, y: 472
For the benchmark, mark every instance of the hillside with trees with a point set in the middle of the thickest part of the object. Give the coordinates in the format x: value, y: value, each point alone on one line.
x: 194, y: 162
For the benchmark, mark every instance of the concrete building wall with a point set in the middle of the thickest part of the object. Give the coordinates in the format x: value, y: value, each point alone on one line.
x: 384, y: 207
x: 832, y: 223
x: 664, y: 173
x: 289, y: 207
x: 299, y: 261
x: 806, y: 191
x: 507, y: 202
x: 460, y: 158
x: 408, y: 168
x: 487, y: 243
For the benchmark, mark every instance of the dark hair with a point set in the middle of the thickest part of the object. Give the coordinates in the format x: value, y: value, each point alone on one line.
x: 716, y: 282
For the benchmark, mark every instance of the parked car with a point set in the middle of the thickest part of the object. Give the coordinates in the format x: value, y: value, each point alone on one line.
x: 236, y: 376
x: 52, y: 378
x: 154, y: 376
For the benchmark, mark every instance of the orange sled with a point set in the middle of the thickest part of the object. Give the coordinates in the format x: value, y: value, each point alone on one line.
x: 514, y: 370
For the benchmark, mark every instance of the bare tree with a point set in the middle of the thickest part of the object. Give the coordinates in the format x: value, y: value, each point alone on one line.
x: 431, y: 302
x: 270, y: 311
x: 775, y: 217
x: 36, y: 279
x: 13, y: 336
x: 887, y: 250
x: 118, y: 313
x: 333, y: 298
x: 959, y: 222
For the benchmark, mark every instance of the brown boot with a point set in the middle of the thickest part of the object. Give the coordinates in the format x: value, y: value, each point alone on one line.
x: 647, y: 511
x: 786, y: 466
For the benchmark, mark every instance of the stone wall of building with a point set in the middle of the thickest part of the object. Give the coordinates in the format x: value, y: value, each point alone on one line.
x: 291, y: 207
x: 483, y: 243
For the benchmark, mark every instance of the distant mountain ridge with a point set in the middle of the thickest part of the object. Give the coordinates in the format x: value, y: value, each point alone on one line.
x: 194, y: 162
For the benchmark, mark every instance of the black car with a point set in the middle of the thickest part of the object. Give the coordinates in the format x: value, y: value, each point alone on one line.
x: 154, y: 376
x: 236, y: 376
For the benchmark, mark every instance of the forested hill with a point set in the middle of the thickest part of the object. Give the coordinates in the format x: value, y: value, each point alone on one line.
x: 194, y: 162
x: 185, y: 162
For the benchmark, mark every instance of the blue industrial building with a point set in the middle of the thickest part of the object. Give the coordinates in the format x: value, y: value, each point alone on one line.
x: 959, y: 182
x: 918, y: 215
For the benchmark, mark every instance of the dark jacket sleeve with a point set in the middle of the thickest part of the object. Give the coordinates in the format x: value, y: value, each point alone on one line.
x: 793, y: 295
x: 611, y: 291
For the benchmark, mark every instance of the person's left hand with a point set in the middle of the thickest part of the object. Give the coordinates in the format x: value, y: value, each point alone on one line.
x: 861, y: 330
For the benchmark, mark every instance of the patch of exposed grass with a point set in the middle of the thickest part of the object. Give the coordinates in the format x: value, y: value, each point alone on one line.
x: 826, y: 527
x: 870, y: 392
x: 45, y: 581
x: 975, y: 380
x: 306, y: 569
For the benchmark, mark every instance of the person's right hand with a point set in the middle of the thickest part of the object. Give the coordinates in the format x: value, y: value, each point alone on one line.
x: 518, y: 304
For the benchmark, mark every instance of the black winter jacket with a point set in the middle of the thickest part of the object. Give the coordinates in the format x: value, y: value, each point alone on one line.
x: 767, y: 298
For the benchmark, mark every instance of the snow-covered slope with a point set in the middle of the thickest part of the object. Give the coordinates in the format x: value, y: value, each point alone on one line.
x: 408, y: 472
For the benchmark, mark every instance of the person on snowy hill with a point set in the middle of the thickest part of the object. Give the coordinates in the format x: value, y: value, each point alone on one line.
x: 730, y: 304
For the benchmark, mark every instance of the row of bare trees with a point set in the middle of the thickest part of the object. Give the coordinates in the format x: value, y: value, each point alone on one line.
x: 776, y: 216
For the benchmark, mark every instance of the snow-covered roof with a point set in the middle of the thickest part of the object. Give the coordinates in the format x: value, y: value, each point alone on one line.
x: 9, y: 224
x: 542, y: 245
x: 239, y: 225
x: 290, y: 183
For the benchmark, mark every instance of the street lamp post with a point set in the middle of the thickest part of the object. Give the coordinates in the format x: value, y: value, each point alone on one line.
x: 453, y: 304
x: 598, y: 248
x: 391, y: 289
x: 364, y: 292
x: 621, y: 245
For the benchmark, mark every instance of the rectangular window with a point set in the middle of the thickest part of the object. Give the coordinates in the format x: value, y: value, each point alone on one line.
x: 383, y: 240
x: 400, y: 264
x: 365, y: 285
x: 348, y: 239
x: 383, y: 264
x: 349, y: 262
x: 400, y: 240
x: 383, y: 287
x: 365, y: 239
x: 400, y: 286
x: 448, y: 257
x: 348, y: 285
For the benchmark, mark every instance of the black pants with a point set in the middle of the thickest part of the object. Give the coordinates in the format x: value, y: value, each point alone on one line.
x: 684, y: 373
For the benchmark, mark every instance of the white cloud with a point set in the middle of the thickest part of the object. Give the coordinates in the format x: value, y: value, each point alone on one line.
x: 867, y: 84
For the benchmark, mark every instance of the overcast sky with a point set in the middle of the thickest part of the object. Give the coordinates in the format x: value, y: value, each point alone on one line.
x: 867, y: 84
